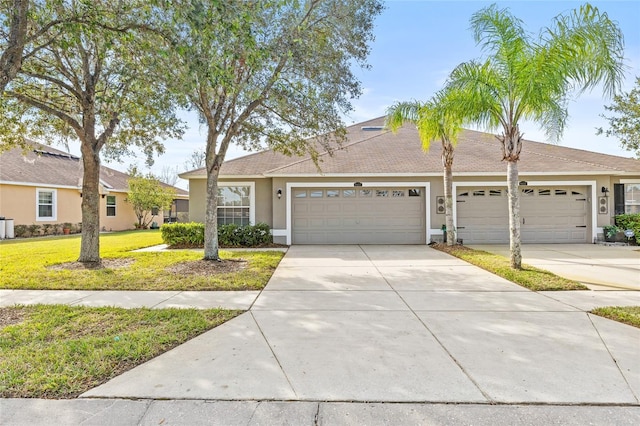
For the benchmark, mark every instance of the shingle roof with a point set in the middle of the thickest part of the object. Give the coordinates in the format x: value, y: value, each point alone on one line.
x: 44, y: 165
x: 383, y: 152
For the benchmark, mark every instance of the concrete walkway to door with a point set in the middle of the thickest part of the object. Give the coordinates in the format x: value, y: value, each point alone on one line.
x: 597, y: 266
x: 396, y: 324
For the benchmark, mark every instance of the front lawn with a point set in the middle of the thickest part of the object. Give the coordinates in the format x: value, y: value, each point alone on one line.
x: 60, y: 351
x: 625, y: 314
x: 532, y: 278
x: 49, y: 263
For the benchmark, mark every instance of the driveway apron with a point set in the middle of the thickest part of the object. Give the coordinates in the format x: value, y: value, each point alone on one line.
x: 396, y: 324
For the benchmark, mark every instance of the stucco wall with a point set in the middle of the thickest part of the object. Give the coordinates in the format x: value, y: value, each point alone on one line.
x: 263, y: 197
x: 19, y: 203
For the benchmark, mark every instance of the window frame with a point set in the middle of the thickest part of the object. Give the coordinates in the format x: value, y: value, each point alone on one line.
x: 252, y: 198
x: 54, y: 205
x: 635, y: 204
x: 114, y: 206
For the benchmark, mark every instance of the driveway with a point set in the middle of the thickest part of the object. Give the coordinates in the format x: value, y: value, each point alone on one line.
x: 397, y: 324
x: 597, y: 266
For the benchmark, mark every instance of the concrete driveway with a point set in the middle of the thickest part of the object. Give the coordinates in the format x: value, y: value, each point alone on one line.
x: 597, y: 266
x: 397, y: 324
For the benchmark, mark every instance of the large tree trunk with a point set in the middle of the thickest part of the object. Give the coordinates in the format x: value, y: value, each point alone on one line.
x: 447, y: 160
x: 514, y: 215
x: 211, y: 217
x: 11, y: 58
x: 90, y: 242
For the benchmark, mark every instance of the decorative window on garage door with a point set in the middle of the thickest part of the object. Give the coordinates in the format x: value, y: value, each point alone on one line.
x: 234, y: 205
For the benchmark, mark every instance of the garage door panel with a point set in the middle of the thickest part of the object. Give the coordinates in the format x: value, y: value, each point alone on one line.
x: 548, y: 215
x: 365, y: 216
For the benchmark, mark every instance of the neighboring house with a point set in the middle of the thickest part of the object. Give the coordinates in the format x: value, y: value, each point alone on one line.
x: 382, y: 188
x: 44, y: 186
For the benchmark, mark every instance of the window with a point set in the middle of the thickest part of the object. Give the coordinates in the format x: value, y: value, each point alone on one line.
x: 631, y: 198
x: 495, y: 193
x: 397, y: 193
x: 234, y: 205
x: 478, y: 193
x: 365, y: 193
x: 544, y: 192
x: 414, y: 192
x: 111, y: 205
x: 561, y: 192
x: 46, y: 208
x: 349, y: 193
x: 300, y: 194
x: 333, y: 193
x: 315, y: 194
x: 382, y: 193
x: 528, y: 191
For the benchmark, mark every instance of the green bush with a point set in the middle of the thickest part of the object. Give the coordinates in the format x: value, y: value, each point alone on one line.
x: 629, y: 221
x: 176, y: 234
x: 230, y: 235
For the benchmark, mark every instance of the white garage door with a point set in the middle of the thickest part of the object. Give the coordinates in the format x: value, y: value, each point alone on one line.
x: 547, y: 215
x: 358, y: 215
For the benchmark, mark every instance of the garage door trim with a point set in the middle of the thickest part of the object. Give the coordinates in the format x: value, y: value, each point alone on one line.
x: 318, y: 184
x: 588, y: 183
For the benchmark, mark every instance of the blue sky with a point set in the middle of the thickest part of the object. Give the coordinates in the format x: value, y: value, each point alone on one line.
x: 419, y: 42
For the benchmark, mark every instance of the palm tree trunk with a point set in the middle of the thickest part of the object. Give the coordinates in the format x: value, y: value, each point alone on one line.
x: 447, y: 160
x: 514, y: 215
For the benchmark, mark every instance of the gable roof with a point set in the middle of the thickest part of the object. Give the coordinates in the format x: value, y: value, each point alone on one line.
x: 47, y: 166
x: 371, y: 149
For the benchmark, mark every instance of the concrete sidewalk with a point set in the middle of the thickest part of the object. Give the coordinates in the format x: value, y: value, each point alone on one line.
x: 597, y: 266
x: 398, y: 324
x: 241, y: 300
x: 33, y: 412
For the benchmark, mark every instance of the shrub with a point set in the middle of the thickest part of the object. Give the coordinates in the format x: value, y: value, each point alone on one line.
x: 21, y: 231
x: 34, y: 230
x: 230, y: 235
x: 176, y: 234
x: 629, y: 221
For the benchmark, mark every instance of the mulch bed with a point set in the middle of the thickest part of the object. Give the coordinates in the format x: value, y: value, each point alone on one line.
x: 208, y: 267
x: 104, y: 263
x: 10, y: 316
x: 449, y: 249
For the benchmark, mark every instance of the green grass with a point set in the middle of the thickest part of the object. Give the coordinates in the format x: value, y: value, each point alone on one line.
x: 529, y: 277
x: 61, y: 351
x: 625, y: 314
x: 24, y: 266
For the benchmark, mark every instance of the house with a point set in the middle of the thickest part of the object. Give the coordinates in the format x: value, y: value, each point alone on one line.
x: 382, y: 188
x: 44, y: 186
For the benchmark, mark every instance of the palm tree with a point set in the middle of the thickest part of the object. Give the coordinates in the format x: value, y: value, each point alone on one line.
x: 527, y: 78
x: 434, y: 121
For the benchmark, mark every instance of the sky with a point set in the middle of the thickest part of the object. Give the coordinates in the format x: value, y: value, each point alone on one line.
x: 417, y: 43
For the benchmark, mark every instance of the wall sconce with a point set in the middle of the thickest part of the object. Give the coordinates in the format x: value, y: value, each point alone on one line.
x: 605, y: 191
x: 279, y: 193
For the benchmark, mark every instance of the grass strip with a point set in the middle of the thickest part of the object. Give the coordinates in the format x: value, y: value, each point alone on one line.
x: 58, y: 351
x: 530, y: 277
x: 27, y: 264
x: 626, y: 314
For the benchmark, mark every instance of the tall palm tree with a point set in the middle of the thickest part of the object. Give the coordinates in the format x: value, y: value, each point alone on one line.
x: 527, y: 78
x: 434, y: 122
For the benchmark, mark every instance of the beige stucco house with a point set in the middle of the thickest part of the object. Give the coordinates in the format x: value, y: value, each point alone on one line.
x: 44, y: 186
x: 381, y: 188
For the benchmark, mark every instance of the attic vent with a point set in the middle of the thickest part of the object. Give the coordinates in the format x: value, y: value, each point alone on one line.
x: 372, y: 128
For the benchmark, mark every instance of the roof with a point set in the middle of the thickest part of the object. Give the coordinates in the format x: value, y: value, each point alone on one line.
x: 372, y: 149
x: 44, y: 165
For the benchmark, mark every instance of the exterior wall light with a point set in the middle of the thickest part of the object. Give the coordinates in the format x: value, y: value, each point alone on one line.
x: 279, y: 193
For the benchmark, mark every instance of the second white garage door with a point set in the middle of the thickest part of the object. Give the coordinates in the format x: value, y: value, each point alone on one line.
x: 358, y: 215
x: 547, y: 214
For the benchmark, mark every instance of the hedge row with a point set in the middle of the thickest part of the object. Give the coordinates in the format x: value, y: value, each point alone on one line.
x: 231, y: 235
